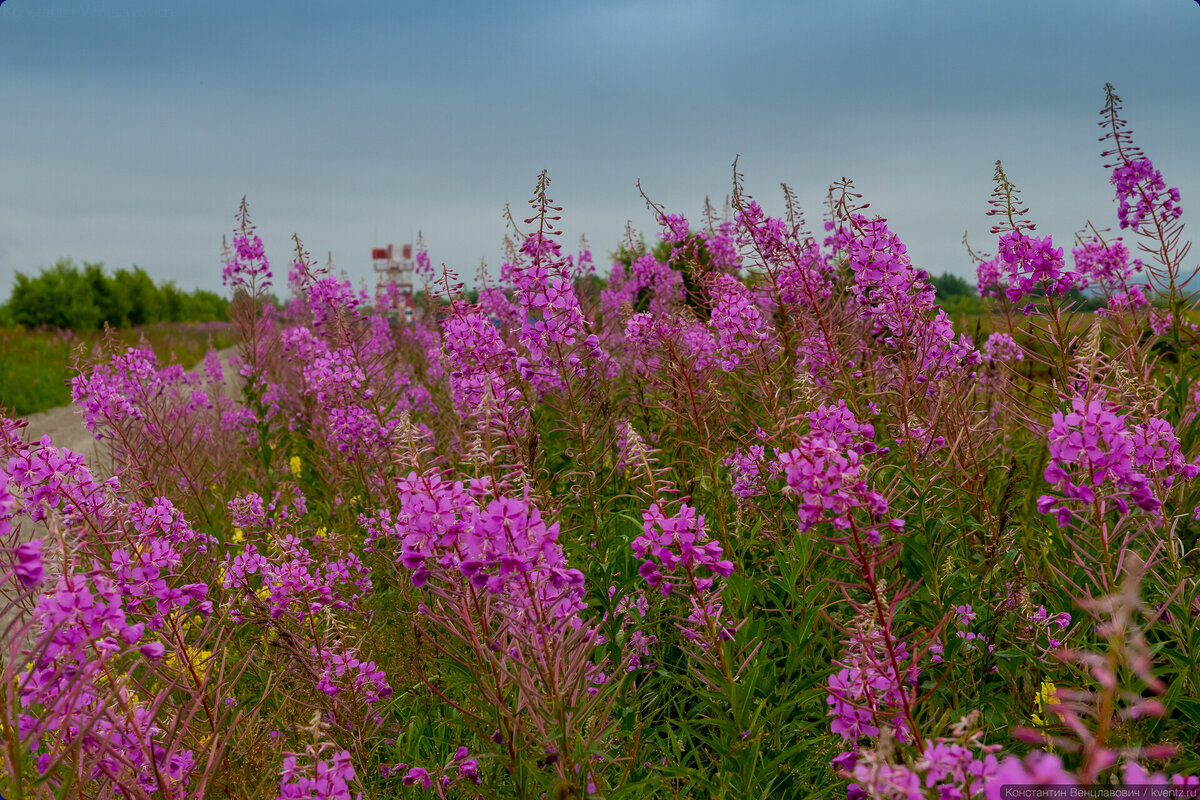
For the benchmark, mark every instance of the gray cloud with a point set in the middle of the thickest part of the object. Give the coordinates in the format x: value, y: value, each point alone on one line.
x: 136, y: 135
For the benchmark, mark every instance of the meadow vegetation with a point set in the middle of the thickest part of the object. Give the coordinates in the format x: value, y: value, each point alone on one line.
x: 750, y: 517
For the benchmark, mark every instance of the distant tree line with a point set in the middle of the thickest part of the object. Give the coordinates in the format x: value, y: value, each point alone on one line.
x: 958, y: 296
x: 66, y: 296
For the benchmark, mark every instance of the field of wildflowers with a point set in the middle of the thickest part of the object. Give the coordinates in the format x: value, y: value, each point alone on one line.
x: 36, y: 363
x: 749, y: 518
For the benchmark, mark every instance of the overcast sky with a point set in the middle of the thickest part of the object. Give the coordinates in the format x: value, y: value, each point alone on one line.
x: 131, y: 129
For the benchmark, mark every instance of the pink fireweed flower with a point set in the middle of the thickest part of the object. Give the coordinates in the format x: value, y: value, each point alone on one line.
x: 1034, y: 265
x: 668, y: 544
x: 47, y: 478
x: 502, y: 546
x: 324, y: 779
x: 685, y: 344
x: 343, y: 670
x: 677, y: 552
x: 481, y: 366
x: 887, y: 286
x: 28, y: 568
x: 292, y: 583
x: 1001, y: 347
x: 330, y: 299
x: 554, y: 319
x: 866, y: 692
x: 249, y: 266
x: 740, y: 325
x: 1107, y: 265
x: 836, y: 422
x: 899, y: 298
x: 797, y: 267
x: 988, y: 277
x: 1142, y: 194
x: 748, y: 469
x: 83, y: 634
x: 675, y: 228
x: 1092, y: 450
x: 830, y: 482
x: 1157, y: 449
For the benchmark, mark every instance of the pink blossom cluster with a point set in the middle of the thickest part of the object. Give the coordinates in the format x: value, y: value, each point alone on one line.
x: 50, y: 479
x: 836, y: 422
x: 887, y: 286
x: 869, y: 690
x: 248, y: 268
x: 555, y: 321
x: 947, y: 768
x: 898, y: 299
x: 1000, y: 347
x: 685, y: 346
x: 343, y: 670
x: 84, y: 634
x: 291, y: 582
x: 1034, y: 265
x: 749, y: 471
x: 480, y: 366
x: 503, y: 546
x: 661, y: 285
x: 1142, y: 195
x: 672, y: 548
x: 323, y: 779
x: 740, y: 326
x: 1096, y: 454
x: 1104, y: 263
x: 674, y: 551
x: 461, y: 768
x: 1047, y: 630
x: 989, y: 278
x: 25, y: 559
x: 830, y: 482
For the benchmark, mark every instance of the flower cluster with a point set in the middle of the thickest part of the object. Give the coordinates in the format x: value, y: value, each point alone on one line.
x: 291, y: 582
x: 829, y: 482
x: 989, y: 278
x: 503, y: 547
x: 748, y: 467
x: 247, y: 268
x: 949, y: 768
x: 870, y: 690
x: 461, y: 768
x: 674, y: 547
x: 342, y: 670
x: 739, y: 324
x: 1001, y: 347
x: 1143, y: 194
x: 1095, y: 455
x: 1034, y: 264
x: 323, y: 779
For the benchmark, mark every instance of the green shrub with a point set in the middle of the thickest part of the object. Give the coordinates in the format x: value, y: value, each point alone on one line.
x: 65, y: 296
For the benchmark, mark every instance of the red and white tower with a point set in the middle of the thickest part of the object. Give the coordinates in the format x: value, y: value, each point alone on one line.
x: 394, y: 267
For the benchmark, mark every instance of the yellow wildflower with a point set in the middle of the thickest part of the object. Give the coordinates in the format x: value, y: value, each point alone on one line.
x: 322, y: 532
x: 1045, y: 698
x: 294, y: 465
x: 196, y: 657
x: 238, y: 536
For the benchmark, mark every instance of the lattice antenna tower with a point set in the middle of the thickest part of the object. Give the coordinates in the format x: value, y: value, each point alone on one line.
x: 395, y: 265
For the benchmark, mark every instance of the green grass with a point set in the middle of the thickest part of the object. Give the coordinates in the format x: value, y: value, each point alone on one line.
x: 36, y: 365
